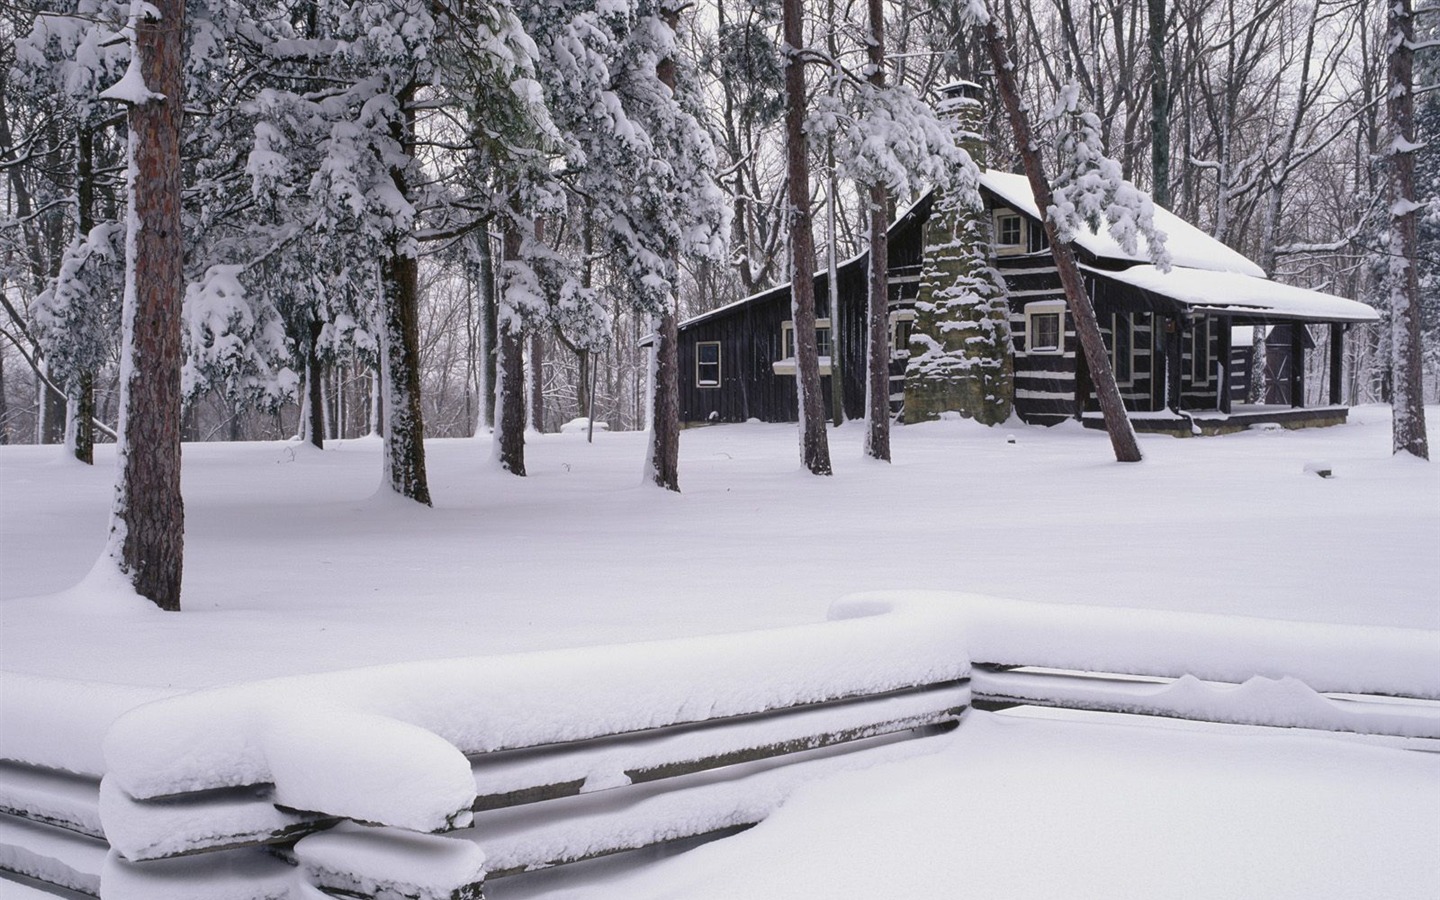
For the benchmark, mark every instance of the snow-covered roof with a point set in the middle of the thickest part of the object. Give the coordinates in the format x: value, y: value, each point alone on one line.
x: 784, y: 286
x: 1233, y: 294
x: 1188, y: 245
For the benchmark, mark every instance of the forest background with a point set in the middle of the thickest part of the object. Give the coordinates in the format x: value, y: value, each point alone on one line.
x: 1274, y: 112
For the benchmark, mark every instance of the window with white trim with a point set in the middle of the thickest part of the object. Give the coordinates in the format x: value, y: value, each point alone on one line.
x: 1045, y: 326
x: 902, y: 321
x: 1009, y: 232
x: 822, y: 338
x: 707, y: 364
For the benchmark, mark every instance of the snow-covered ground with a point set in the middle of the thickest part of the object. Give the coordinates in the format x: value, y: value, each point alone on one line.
x: 1013, y: 807
x: 294, y: 565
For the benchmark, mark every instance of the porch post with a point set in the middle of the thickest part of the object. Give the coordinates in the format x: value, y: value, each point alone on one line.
x: 1223, y: 389
x: 1337, y: 359
x: 1297, y: 364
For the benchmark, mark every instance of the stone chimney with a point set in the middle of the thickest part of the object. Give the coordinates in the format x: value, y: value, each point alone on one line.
x: 961, y: 103
x: 960, y: 358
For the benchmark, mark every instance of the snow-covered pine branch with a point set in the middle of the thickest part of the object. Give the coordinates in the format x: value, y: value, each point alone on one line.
x: 1088, y: 187
x: 890, y: 136
x: 77, y: 316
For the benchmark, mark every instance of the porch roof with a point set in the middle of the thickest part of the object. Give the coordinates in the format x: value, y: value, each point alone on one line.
x: 1243, y: 298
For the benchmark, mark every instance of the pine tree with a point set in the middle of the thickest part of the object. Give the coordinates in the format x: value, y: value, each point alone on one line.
x: 67, y: 57
x: 147, y: 525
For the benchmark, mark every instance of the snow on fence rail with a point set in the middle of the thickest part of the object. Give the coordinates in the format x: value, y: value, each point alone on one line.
x: 1214, y: 668
x: 512, y: 760
x: 422, y: 779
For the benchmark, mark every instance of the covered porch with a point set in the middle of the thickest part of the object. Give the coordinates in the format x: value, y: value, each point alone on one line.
x: 1240, y: 417
x: 1194, y: 301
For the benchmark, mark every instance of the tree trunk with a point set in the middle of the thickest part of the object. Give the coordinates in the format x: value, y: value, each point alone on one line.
x: 1409, y: 400
x: 537, y: 381
x: 80, y: 427
x: 400, y: 281
x: 1117, y: 424
x: 51, y: 412
x: 4, y: 401
x: 665, y: 407
x: 832, y: 285
x: 490, y: 342
x: 664, y: 450
x: 1159, y: 107
x: 582, y: 382
x: 147, y: 527
x: 405, y: 427
x: 314, y: 392
x: 877, y: 436
x: 80, y: 417
x: 510, y: 376
x: 814, y: 444
x: 838, y: 340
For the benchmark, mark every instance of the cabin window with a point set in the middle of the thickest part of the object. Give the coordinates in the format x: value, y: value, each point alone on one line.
x: 1038, y: 240
x: 707, y: 364
x: 1045, y: 327
x: 1009, y: 233
x: 1200, y: 352
x: 902, y: 322
x: 822, y: 339
x: 1122, y: 348
x: 786, y: 364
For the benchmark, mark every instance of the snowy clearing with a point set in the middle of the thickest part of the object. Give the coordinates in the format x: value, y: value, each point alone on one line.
x: 294, y: 567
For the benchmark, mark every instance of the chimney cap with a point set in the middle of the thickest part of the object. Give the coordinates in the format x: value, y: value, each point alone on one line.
x: 955, y: 90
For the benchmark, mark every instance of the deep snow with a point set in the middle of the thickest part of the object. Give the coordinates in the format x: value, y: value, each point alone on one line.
x: 294, y: 565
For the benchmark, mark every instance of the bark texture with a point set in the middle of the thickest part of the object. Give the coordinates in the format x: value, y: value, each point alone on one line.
x: 877, y: 390
x: 510, y: 377
x: 664, y: 462
x: 537, y: 381
x: 1117, y: 424
x: 814, y: 443
x: 149, y: 514
x: 314, y: 391
x: 405, y: 427
x: 80, y: 412
x: 665, y: 429
x: 1159, y: 106
x: 1409, y: 399
x: 400, y: 277
x: 490, y: 341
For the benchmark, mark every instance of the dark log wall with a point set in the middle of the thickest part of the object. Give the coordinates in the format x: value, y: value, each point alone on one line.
x: 1045, y: 383
x: 749, y: 336
x: 1200, y: 390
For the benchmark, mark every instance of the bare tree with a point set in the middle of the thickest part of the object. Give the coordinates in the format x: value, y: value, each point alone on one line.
x: 664, y: 459
x: 814, y: 444
x: 1409, y: 400
x: 877, y: 435
x: 510, y: 371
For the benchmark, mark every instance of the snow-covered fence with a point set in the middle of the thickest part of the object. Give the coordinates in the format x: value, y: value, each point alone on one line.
x: 1229, y: 669
x: 421, y: 779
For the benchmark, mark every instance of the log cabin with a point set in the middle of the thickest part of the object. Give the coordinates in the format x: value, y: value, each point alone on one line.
x: 1168, y: 333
